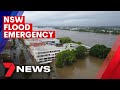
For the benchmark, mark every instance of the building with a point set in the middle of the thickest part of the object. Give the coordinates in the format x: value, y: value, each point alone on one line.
x: 46, y: 41
x: 70, y: 46
x: 51, y: 41
x: 87, y: 47
x: 45, y: 53
x: 32, y: 40
x: 45, y: 50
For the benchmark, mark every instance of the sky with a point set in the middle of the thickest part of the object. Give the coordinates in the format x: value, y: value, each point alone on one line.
x: 73, y: 18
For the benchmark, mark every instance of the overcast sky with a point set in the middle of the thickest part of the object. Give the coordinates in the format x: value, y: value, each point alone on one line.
x: 73, y: 18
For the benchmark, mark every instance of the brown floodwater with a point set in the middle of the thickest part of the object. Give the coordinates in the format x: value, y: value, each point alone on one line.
x: 86, y: 68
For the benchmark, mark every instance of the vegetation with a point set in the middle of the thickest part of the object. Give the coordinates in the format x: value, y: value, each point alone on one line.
x: 65, y: 40
x: 100, y: 30
x: 76, y: 42
x: 116, y: 32
x: 100, y: 51
x: 8, y: 45
x: 22, y: 58
x: 80, y: 52
x: 22, y: 41
x: 83, y: 30
x: 68, y: 57
x: 5, y: 58
x: 14, y: 44
x: 65, y: 58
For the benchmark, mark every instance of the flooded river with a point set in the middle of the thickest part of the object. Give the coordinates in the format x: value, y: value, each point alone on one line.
x: 88, y: 67
x: 88, y: 38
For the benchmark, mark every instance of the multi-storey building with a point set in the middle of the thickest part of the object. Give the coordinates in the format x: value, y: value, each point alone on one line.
x: 45, y: 53
x: 45, y: 50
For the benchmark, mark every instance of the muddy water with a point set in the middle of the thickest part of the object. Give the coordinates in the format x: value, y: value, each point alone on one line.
x: 86, y: 68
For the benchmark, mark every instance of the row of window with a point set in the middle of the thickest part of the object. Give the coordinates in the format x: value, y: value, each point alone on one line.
x: 46, y: 55
x: 47, y: 58
x: 49, y: 52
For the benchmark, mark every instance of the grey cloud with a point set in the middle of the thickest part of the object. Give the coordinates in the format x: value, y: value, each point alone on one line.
x: 66, y: 18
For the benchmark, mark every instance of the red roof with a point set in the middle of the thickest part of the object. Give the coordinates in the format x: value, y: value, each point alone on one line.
x: 37, y: 44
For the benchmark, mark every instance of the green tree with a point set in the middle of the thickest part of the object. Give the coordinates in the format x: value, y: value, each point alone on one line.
x: 80, y: 51
x: 13, y: 42
x: 64, y: 58
x: 76, y: 42
x: 100, y: 51
x: 65, y: 40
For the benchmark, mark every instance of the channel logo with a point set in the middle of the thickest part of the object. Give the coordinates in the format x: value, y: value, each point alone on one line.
x: 11, y: 68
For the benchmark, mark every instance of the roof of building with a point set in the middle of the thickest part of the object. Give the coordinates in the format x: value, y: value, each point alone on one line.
x: 47, y: 48
x: 37, y: 44
x: 51, y: 39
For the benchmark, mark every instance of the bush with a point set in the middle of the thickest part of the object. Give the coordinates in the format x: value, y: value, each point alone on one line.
x: 80, y: 51
x: 65, y: 58
x: 65, y: 40
x: 76, y: 42
x: 100, y: 51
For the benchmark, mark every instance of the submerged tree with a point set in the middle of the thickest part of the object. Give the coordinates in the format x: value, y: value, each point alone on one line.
x: 65, y: 40
x: 100, y: 51
x: 65, y: 58
x: 80, y: 51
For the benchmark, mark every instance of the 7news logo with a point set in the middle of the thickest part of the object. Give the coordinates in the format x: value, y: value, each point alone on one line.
x: 11, y: 68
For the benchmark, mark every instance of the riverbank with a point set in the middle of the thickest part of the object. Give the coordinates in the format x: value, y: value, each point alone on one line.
x: 94, y: 30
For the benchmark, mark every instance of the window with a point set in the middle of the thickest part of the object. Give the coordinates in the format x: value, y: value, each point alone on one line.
x: 45, y: 58
x: 58, y: 50
x: 52, y: 54
x: 49, y: 58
